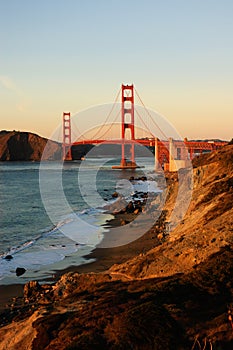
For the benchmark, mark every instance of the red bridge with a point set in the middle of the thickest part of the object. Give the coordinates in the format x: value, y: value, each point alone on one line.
x: 170, y: 154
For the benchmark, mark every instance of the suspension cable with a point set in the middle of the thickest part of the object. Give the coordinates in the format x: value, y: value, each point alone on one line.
x: 141, y: 119
x: 149, y: 114
x: 116, y: 117
x: 105, y: 122
x: 82, y: 135
x: 77, y: 129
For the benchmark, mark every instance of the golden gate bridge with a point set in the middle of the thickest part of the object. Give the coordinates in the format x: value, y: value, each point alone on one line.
x: 171, y: 154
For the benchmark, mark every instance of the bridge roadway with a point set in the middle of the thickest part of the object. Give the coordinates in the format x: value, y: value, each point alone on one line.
x: 190, y: 145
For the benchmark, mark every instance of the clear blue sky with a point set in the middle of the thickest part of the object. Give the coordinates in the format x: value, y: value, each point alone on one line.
x: 67, y: 55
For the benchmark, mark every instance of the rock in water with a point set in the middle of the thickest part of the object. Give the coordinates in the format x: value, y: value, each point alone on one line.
x: 115, y: 195
x: 20, y: 271
x: 8, y: 257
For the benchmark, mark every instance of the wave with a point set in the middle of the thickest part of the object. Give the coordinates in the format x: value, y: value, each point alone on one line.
x: 54, y: 243
x: 25, y: 245
x: 88, y: 215
x: 14, y: 250
x: 81, y: 230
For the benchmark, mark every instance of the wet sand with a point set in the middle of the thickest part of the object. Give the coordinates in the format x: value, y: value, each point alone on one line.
x: 107, y: 257
x: 7, y: 292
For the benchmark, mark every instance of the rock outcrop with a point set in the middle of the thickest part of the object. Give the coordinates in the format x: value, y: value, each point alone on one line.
x: 25, y: 146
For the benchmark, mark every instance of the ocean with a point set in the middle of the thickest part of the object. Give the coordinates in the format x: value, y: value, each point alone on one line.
x: 52, y: 214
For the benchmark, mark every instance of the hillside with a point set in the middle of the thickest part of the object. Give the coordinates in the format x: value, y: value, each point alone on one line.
x: 25, y: 146
x: 206, y: 227
x: 176, y: 295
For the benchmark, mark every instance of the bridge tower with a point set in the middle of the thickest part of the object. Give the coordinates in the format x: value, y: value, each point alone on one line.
x: 127, y: 122
x: 66, y: 146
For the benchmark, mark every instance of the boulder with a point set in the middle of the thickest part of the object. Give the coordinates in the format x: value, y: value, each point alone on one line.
x: 31, y: 290
x: 114, y: 195
x: 8, y: 257
x: 130, y: 208
x: 20, y: 271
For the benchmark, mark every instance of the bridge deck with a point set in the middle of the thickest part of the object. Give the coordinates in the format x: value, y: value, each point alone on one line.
x: 199, y: 145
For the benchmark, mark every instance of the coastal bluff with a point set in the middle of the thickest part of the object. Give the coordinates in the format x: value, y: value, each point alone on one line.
x: 26, y: 146
x: 168, y: 293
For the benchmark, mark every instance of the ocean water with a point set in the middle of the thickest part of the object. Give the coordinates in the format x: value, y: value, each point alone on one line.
x: 52, y: 214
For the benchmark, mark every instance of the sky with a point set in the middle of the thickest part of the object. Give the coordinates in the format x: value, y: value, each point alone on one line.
x: 71, y: 55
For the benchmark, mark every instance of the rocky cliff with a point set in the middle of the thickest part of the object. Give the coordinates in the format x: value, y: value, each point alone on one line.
x: 25, y: 146
x: 206, y: 227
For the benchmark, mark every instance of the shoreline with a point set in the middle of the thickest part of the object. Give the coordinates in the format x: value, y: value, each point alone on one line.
x: 104, y: 258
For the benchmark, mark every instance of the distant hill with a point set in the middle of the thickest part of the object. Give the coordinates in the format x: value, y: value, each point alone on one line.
x: 208, y: 140
x: 26, y: 146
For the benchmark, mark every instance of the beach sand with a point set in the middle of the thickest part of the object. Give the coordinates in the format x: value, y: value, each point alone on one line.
x: 107, y: 257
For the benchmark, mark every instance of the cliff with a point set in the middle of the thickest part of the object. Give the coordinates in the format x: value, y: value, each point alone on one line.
x: 178, y: 294
x: 26, y: 146
x: 206, y: 227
